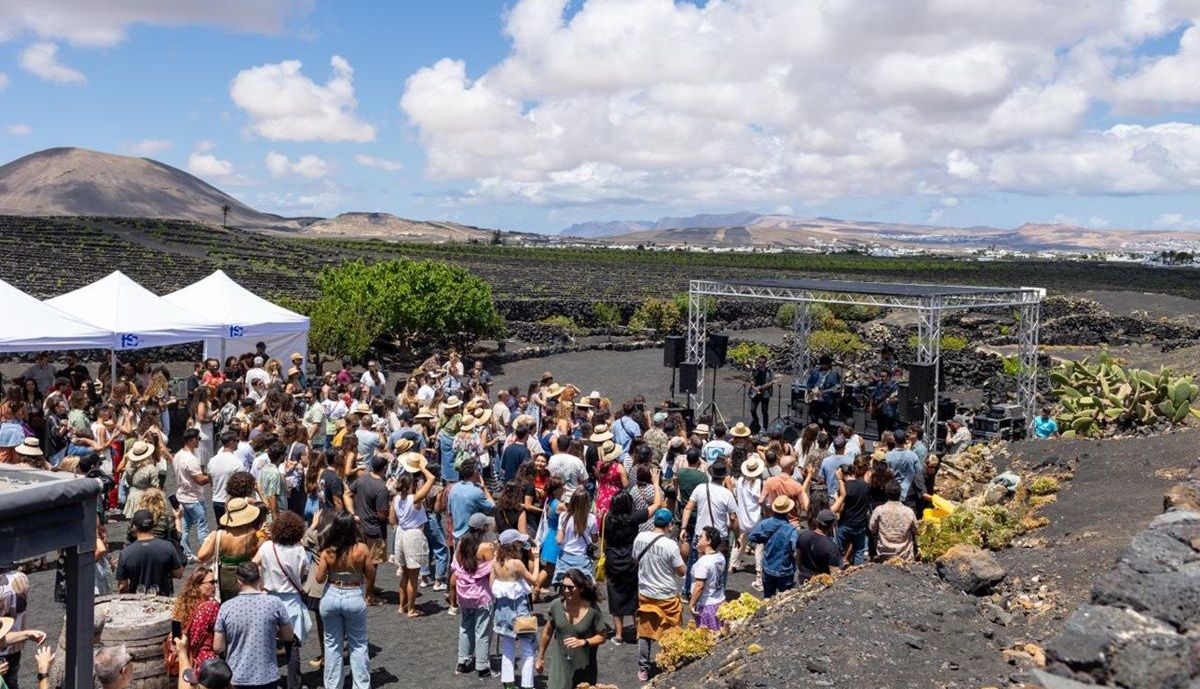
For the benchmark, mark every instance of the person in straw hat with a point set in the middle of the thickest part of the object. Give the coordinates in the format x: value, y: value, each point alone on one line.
x: 409, y: 516
x: 747, y: 490
x: 777, y: 536
x: 611, y: 476
x: 139, y: 474
x: 449, y: 424
x: 235, y: 543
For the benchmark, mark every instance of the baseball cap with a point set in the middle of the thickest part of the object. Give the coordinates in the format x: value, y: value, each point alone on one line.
x: 143, y: 520
x: 513, y: 536
x: 826, y: 518
x: 478, y: 520
x: 258, y: 361
x: 839, y: 441
x: 662, y: 517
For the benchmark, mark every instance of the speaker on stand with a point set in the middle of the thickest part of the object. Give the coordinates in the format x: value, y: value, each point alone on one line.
x: 687, y: 377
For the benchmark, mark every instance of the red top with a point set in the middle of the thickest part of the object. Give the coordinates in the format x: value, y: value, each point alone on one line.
x: 200, y: 632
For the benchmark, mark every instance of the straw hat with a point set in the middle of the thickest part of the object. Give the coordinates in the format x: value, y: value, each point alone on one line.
x: 293, y: 371
x: 547, y: 376
x: 297, y: 356
x: 752, y: 467
x: 362, y: 408
x: 6, y: 625
x: 413, y: 462
x: 482, y: 415
x: 610, y: 450
x: 424, y: 413
x: 701, y: 429
x: 452, y: 402
x: 740, y: 430
x: 140, y: 451
x: 402, y: 445
x: 239, y: 512
x: 31, y: 447
x: 554, y: 390
x: 583, y: 403
x: 782, y: 505
x: 601, y: 434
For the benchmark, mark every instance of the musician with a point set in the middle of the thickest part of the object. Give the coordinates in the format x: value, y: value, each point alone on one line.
x: 824, y: 383
x: 761, y: 382
x: 885, y: 398
x: 888, y: 364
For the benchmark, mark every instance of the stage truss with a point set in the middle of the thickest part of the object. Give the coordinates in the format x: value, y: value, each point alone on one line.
x: 929, y: 301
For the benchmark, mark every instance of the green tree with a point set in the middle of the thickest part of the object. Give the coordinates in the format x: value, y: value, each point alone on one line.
x: 662, y: 315
x: 607, y: 315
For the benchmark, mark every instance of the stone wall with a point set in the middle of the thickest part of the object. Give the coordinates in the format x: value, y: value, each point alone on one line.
x: 1142, y: 627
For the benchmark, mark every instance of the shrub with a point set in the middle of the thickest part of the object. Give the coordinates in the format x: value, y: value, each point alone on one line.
x: 662, y: 315
x: 745, y: 352
x: 565, y: 322
x: 859, y: 313
x: 819, y: 315
x: 680, y: 646
x: 834, y: 343
x: 739, y: 608
x: 681, y: 302
x: 1044, y: 485
x: 992, y: 527
x: 607, y: 315
x: 949, y: 343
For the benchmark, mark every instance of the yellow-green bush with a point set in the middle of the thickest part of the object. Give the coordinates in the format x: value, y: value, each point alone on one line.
x: 565, y: 322
x: 745, y: 352
x: 991, y: 527
x: 739, y: 608
x: 1043, y: 485
x: 820, y: 316
x: 682, y: 645
x: 834, y: 343
x: 662, y: 315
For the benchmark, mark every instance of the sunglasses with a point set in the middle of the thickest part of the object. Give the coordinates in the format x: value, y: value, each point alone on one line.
x: 567, y: 587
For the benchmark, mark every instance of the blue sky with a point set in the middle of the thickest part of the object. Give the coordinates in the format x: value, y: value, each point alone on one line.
x: 534, y: 114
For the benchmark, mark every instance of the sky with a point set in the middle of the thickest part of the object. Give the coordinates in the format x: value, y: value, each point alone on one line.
x: 536, y: 114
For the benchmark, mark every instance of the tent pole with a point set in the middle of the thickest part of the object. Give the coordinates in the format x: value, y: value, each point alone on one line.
x: 113, y: 378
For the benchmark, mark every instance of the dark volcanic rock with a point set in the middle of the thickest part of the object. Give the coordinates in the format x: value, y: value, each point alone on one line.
x: 970, y: 569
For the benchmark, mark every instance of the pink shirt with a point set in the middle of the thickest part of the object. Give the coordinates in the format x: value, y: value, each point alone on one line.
x: 473, y: 588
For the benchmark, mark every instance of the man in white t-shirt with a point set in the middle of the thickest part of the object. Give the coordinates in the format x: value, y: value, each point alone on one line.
x: 191, y: 479
x: 501, y: 414
x: 257, y: 373
x: 660, y: 565
x: 569, y: 469
x: 224, y: 464
x: 373, y: 378
x: 718, y: 448
x: 713, y: 505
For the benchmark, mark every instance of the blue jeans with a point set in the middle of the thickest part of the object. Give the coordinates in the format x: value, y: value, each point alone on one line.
x: 344, y: 613
x: 474, y: 636
x: 773, y: 583
x: 693, y: 555
x: 438, y: 552
x: 446, y: 451
x: 857, y: 537
x: 193, y: 513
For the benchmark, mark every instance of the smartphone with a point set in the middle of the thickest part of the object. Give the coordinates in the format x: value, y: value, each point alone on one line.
x: 174, y: 502
x: 176, y: 629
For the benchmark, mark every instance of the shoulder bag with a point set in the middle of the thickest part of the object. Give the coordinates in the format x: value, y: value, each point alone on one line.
x: 601, y: 561
x: 304, y: 598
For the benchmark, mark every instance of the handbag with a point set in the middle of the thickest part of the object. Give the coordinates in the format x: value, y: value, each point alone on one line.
x: 602, y: 560
x: 525, y: 624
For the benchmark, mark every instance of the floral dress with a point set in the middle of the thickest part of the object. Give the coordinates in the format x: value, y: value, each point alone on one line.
x: 608, y: 484
x: 200, y: 630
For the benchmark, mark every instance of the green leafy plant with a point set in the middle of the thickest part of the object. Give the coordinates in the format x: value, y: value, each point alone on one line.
x: 1012, y: 366
x: 991, y: 527
x: 858, y: 313
x: 1043, y: 485
x: 834, y: 343
x: 708, y: 303
x: 661, y: 315
x: 682, y: 645
x: 745, y: 352
x: 739, y: 608
x: 565, y: 322
x: 820, y: 316
x: 948, y: 343
x: 607, y: 315
x: 1097, y: 397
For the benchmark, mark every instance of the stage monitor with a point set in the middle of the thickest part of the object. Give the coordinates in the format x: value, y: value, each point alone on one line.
x: 674, y: 350
x: 715, y: 350
x: 920, y: 382
x: 687, y: 378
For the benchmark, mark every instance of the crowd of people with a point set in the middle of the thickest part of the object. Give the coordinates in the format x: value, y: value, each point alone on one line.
x: 626, y: 519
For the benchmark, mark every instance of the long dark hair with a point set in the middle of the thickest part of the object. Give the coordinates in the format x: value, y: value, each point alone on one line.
x: 342, y: 535
x: 583, y: 583
x: 578, y: 507
x: 511, y: 497
x: 468, y: 550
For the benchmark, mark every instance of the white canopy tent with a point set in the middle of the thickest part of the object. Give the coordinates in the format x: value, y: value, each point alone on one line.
x: 133, y: 316
x: 246, y: 319
x: 34, y: 326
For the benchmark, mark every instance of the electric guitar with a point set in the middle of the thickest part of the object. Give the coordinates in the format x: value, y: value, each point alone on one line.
x: 754, y: 391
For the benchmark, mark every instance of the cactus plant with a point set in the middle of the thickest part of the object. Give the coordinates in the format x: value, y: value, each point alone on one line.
x: 1095, y: 398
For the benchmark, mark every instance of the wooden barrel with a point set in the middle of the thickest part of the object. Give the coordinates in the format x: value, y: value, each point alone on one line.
x: 141, y: 624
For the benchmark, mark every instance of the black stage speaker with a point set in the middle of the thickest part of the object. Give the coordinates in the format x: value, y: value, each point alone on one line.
x: 790, y: 433
x: 687, y: 378
x: 715, y: 350
x: 674, y: 349
x: 920, y: 382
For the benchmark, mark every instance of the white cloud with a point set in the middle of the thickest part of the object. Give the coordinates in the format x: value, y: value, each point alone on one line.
x: 1165, y: 81
x: 41, y: 60
x: 1176, y: 221
x: 381, y: 163
x: 309, y: 166
x: 779, y: 101
x: 3, y: 81
x: 18, y: 129
x: 203, y: 163
x: 92, y: 23
x: 285, y: 105
x: 149, y: 147
x: 321, y: 199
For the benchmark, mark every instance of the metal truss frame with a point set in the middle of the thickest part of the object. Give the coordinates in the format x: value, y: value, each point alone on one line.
x: 930, y: 308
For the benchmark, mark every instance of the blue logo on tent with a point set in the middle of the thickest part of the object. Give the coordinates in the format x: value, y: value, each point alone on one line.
x: 236, y: 331
x: 129, y: 340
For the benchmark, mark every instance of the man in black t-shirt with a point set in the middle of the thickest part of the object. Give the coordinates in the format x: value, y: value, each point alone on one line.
x: 371, y: 499
x: 148, y: 561
x: 816, y: 553
x: 515, y: 454
x: 853, y: 506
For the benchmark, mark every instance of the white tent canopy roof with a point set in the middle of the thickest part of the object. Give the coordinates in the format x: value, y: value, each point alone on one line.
x: 34, y: 326
x: 134, y: 316
x: 222, y: 299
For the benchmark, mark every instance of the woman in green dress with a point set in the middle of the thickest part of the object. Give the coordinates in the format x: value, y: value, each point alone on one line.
x: 575, y: 628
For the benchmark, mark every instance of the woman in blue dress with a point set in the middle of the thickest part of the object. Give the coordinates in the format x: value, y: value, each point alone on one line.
x: 547, y: 536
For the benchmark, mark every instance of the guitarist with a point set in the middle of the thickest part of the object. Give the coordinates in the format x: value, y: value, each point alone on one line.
x: 885, y: 397
x: 761, y: 382
x: 824, y: 383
